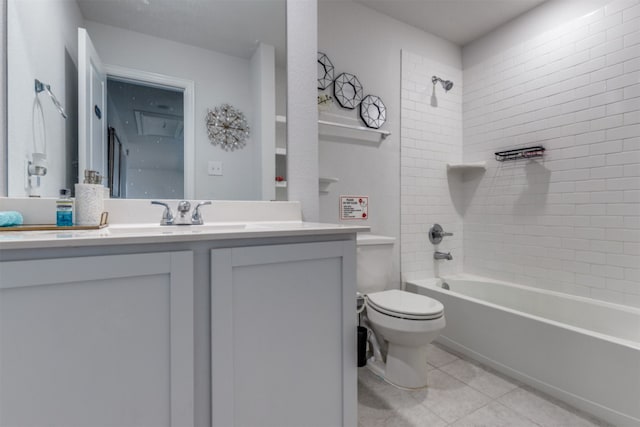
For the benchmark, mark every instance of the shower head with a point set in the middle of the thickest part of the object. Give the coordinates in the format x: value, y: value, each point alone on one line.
x: 446, y: 84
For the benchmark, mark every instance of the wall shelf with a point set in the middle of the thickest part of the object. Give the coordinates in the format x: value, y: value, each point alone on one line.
x: 324, y: 183
x: 382, y: 133
x: 463, y: 167
x: 520, y: 153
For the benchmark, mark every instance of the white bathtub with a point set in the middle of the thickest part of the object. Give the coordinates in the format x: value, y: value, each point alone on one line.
x: 582, y: 351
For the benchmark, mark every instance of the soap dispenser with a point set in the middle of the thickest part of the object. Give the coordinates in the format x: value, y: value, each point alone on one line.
x: 64, y: 209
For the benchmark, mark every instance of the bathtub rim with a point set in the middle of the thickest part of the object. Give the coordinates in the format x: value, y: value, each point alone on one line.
x: 434, y: 284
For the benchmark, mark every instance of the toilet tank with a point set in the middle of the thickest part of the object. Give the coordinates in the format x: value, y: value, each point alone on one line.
x: 374, y: 262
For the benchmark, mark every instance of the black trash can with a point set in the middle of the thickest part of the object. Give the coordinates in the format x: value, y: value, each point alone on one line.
x: 362, y: 346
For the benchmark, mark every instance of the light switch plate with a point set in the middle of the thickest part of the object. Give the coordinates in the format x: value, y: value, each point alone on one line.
x: 214, y: 168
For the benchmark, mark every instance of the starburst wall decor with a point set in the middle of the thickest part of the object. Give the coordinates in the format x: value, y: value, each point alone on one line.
x: 227, y: 127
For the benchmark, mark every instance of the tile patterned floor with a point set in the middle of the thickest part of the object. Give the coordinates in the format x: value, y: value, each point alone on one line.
x: 461, y: 393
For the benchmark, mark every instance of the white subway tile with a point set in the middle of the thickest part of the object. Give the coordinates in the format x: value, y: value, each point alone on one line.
x: 630, y: 131
x: 627, y: 79
x: 624, y: 158
x: 591, y: 185
x: 626, y: 54
x: 629, y: 261
x: 631, y: 248
x: 632, y: 170
x: 609, y: 72
x: 623, y: 286
x: 622, y: 184
x: 608, y: 271
x: 623, y: 209
x: 632, y: 91
x: 605, y: 23
x: 607, y: 221
x: 607, y: 197
x: 618, y: 5
x: 607, y: 97
x: 632, y: 39
x: 606, y: 122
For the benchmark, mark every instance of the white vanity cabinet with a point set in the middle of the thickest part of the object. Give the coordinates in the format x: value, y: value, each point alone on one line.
x: 283, y: 327
x: 180, y: 330
x: 97, y: 341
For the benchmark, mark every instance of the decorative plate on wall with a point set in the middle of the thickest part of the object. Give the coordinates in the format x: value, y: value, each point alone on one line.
x: 347, y: 90
x: 325, y: 71
x: 227, y: 127
x: 373, y: 112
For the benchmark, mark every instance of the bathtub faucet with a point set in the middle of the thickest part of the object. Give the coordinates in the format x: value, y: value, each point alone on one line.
x: 442, y: 255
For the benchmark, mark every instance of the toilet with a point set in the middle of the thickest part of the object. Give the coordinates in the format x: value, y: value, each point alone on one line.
x: 404, y: 323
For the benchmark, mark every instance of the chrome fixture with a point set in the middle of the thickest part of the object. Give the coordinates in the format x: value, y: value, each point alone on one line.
x: 436, y: 233
x: 182, y: 219
x: 196, y: 216
x: 442, y: 255
x: 183, y: 209
x: 167, y: 215
x: 446, y: 84
x: 37, y: 166
x: 43, y: 87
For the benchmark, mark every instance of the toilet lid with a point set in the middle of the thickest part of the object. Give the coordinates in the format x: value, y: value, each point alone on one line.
x: 405, y: 305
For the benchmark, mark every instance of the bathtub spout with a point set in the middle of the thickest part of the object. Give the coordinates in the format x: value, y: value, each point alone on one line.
x: 442, y: 255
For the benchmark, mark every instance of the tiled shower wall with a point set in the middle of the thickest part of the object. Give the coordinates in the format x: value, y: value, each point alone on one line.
x: 431, y: 137
x: 569, y: 221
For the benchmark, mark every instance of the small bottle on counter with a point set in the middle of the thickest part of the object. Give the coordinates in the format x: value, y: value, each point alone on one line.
x: 64, y: 209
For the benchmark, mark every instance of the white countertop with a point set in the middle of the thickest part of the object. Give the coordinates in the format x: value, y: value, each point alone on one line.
x: 125, y: 234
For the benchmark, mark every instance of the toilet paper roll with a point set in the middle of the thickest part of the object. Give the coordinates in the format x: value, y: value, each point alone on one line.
x: 89, y: 204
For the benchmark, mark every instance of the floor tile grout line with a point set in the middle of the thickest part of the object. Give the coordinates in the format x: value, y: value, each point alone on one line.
x: 477, y: 389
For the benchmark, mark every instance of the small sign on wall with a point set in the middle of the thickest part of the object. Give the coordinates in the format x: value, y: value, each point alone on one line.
x: 354, y: 207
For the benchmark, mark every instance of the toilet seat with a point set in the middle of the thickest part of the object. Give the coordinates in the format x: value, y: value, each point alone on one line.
x: 405, y: 305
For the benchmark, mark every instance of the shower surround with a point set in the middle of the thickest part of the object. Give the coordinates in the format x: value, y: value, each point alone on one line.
x: 568, y: 222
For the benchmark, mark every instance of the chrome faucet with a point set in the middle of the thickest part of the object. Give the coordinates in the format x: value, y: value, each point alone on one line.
x: 196, y: 216
x: 183, y: 209
x: 167, y: 215
x: 442, y: 255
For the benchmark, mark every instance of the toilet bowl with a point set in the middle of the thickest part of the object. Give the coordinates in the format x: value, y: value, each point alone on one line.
x: 403, y: 321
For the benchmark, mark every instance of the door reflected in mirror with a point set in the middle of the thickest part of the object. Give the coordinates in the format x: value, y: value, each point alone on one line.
x: 211, y: 44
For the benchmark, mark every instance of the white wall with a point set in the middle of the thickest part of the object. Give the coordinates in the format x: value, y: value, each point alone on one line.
x: 431, y: 138
x: 570, y: 221
x: 302, y: 127
x: 218, y: 79
x: 42, y: 44
x: 3, y: 96
x: 263, y: 89
x: 363, y: 42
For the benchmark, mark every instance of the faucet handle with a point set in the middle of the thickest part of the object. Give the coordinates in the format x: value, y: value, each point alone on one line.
x: 196, y: 217
x: 167, y: 215
x: 436, y: 233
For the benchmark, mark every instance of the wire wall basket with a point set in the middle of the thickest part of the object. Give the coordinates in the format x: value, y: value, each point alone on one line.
x: 520, y: 153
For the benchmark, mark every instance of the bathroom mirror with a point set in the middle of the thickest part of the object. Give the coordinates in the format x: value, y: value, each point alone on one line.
x: 212, y: 51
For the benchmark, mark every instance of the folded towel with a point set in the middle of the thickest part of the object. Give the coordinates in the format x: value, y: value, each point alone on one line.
x: 10, y: 218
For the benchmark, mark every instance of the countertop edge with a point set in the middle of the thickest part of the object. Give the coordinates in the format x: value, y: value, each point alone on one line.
x: 92, y: 238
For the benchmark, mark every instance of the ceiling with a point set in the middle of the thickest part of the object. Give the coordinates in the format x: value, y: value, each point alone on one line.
x: 459, y: 21
x: 229, y: 26
x: 234, y: 26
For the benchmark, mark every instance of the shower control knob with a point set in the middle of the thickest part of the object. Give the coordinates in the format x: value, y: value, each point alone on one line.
x: 436, y: 233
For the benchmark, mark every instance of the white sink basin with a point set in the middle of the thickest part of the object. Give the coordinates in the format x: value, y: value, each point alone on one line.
x: 144, y: 229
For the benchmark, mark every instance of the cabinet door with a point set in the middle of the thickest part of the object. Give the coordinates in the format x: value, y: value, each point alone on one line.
x: 97, y: 341
x: 283, y: 335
